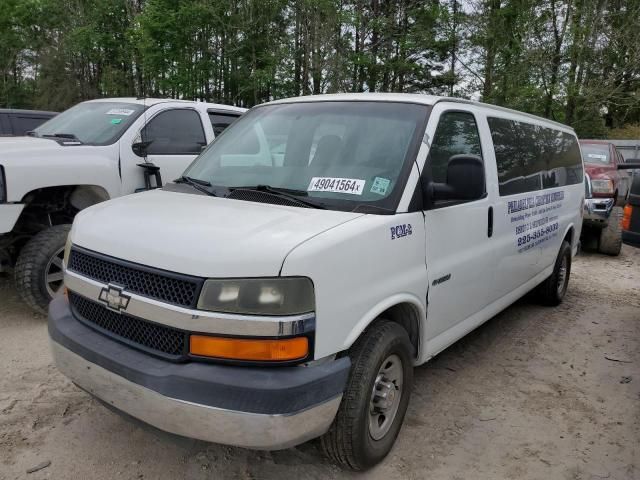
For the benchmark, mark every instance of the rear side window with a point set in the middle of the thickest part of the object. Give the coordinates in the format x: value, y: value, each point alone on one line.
x: 531, y: 157
x: 175, y: 132
x: 220, y: 121
x: 457, y: 133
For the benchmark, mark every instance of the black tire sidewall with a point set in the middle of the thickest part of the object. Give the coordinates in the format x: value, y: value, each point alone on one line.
x: 30, y: 270
x: 565, y: 251
x: 368, y: 450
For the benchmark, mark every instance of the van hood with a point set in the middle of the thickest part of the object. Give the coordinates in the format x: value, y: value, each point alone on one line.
x: 200, y: 235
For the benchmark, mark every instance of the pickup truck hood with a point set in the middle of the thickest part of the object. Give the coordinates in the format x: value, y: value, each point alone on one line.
x: 9, y: 145
x: 22, y: 148
x: 200, y: 235
x: 598, y: 171
x: 32, y: 163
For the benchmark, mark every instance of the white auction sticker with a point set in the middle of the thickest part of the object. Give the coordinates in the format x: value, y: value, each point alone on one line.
x: 120, y: 111
x: 597, y: 155
x: 352, y: 186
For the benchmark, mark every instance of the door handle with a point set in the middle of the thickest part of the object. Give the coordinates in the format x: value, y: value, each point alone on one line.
x: 490, y: 222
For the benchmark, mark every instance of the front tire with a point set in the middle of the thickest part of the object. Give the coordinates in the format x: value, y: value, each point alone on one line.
x: 611, y: 236
x: 376, y: 398
x: 552, y: 290
x: 38, y: 271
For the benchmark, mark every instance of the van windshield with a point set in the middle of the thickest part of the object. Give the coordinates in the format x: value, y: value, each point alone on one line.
x: 92, y: 123
x: 337, y: 154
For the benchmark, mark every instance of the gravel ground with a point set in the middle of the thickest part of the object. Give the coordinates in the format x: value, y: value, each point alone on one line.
x: 536, y: 393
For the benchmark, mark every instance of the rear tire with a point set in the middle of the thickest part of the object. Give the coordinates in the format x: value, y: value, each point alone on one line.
x: 38, y: 271
x: 376, y: 398
x: 611, y: 236
x: 552, y: 290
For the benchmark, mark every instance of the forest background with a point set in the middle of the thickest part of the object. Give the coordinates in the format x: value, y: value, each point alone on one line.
x: 574, y: 61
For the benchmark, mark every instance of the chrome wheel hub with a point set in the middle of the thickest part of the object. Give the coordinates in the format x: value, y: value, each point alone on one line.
x: 385, y: 397
x: 53, y: 272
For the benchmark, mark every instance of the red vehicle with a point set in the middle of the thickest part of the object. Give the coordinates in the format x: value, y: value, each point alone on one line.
x: 607, y: 189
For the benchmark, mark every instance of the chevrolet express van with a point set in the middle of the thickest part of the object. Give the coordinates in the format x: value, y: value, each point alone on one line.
x: 286, y: 285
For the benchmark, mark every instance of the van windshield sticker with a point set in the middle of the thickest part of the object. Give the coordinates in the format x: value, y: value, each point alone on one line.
x: 380, y: 185
x: 120, y: 111
x: 116, y: 121
x: 596, y: 155
x: 352, y: 186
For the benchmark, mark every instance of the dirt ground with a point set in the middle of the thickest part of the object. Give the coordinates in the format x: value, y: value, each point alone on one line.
x: 536, y: 393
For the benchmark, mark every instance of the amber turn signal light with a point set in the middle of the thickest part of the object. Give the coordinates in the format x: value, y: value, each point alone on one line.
x: 258, y: 350
x: 626, y: 217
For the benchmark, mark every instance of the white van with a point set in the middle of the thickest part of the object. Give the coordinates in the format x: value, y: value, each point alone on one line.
x: 309, y: 258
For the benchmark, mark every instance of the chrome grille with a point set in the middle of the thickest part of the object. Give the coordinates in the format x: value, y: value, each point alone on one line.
x: 168, y: 287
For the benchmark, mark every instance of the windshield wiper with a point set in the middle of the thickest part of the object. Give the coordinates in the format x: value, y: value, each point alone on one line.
x: 65, y: 136
x: 197, y: 184
x: 289, y: 193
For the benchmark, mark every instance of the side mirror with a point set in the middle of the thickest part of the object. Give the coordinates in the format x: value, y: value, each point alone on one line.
x: 465, y: 180
x: 140, y: 148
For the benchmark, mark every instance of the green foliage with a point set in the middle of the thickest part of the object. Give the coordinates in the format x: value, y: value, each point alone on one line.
x: 575, y: 61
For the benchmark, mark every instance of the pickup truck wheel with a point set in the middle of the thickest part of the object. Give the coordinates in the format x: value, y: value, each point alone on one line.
x: 375, y: 400
x: 552, y: 290
x: 38, y: 271
x: 611, y: 236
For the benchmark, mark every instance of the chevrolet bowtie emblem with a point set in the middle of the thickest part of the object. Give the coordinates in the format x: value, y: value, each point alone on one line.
x: 114, y: 297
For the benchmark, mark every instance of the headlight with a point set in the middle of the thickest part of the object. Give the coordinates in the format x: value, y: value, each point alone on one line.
x: 3, y: 186
x: 602, y: 186
x: 258, y: 296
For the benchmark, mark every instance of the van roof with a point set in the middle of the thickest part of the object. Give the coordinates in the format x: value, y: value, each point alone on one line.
x: 410, y: 98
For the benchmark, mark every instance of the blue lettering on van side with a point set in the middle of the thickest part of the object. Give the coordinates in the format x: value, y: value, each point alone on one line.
x: 400, y: 231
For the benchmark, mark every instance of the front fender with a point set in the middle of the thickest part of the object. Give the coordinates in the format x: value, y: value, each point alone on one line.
x: 62, y: 166
x: 359, y: 269
x: 386, y: 304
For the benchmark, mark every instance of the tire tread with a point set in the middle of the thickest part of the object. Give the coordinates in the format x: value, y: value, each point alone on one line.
x: 338, y: 442
x: 32, y: 258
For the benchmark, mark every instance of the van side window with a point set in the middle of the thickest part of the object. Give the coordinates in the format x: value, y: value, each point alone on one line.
x: 175, y: 132
x: 530, y: 157
x: 456, y: 133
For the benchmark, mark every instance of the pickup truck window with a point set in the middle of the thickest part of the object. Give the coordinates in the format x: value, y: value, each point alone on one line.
x: 340, y: 154
x: 175, y: 132
x: 596, y: 154
x: 92, y: 123
x: 220, y: 121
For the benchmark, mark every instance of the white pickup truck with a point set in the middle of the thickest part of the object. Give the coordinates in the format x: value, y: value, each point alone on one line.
x: 95, y: 151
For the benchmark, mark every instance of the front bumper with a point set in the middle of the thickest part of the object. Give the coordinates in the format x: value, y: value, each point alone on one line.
x: 598, y: 210
x: 267, y: 408
x: 9, y: 214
